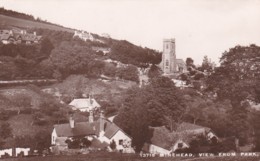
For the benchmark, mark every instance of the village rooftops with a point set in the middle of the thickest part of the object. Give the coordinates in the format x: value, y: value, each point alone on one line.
x: 16, y: 36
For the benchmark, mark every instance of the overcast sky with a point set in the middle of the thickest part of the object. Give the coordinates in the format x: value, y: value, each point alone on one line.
x: 200, y: 27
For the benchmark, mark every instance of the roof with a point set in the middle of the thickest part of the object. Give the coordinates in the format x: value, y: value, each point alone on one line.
x: 111, y: 130
x: 80, y: 129
x: 185, y: 126
x: 4, y: 36
x: 164, y: 138
x: 87, y: 128
x: 84, y: 103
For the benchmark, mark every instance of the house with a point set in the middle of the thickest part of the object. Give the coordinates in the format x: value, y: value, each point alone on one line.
x: 84, y: 104
x: 164, y: 142
x: 101, y: 133
x: 83, y: 35
x: 104, y: 50
x: 6, y: 36
x: 106, y: 35
x: 16, y: 37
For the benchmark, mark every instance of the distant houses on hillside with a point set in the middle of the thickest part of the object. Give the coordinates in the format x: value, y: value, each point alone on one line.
x: 18, y: 37
x: 85, y: 36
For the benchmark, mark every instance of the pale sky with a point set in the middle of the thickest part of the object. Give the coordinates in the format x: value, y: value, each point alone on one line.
x: 200, y: 27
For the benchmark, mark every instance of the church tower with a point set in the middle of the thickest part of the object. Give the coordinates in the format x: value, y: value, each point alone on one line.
x: 168, y: 63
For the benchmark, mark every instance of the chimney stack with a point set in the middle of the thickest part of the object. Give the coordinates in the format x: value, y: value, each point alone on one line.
x: 101, y: 126
x: 91, y: 99
x: 91, y: 117
x: 72, y: 122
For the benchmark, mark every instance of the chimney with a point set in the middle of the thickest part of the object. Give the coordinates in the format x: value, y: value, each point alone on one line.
x: 101, y: 126
x: 91, y: 99
x: 72, y: 122
x: 91, y: 116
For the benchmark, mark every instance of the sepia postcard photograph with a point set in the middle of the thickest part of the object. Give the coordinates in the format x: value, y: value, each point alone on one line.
x: 129, y: 80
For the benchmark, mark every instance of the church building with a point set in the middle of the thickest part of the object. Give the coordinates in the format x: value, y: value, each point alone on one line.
x: 170, y: 64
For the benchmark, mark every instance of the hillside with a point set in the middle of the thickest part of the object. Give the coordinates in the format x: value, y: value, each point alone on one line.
x: 7, y: 22
x: 59, y: 54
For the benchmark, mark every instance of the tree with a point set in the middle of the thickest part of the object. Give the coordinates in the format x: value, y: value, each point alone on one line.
x: 256, y: 125
x: 207, y: 65
x: 239, y: 71
x: 190, y: 63
x: 110, y: 69
x: 129, y: 72
x: 42, y: 140
x: 46, y: 47
x: 154, y: 71
x: 113, y: 145
x: 85, y: 142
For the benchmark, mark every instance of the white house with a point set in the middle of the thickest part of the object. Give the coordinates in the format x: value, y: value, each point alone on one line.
x: 83, y: 35
x: 84, y: 104
x: 101, y: 133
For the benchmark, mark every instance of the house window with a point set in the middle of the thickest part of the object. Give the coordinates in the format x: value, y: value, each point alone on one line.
x: 180, y: 145
x: 120, y: 142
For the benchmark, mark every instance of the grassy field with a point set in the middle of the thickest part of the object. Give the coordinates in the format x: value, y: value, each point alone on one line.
x: 21, y: 23
x: 104, y: 156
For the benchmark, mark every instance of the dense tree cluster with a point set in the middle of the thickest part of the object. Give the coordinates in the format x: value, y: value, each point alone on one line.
x: 6, y: 12
x: 237, y: 79
x: 131, y: 54
x: 159, y: 103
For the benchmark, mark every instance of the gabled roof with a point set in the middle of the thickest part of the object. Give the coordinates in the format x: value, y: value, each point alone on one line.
x: 84, y: 103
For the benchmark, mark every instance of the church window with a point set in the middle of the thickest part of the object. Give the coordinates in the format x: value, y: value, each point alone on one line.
x: 166, y: 46
x: 167, y: 63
